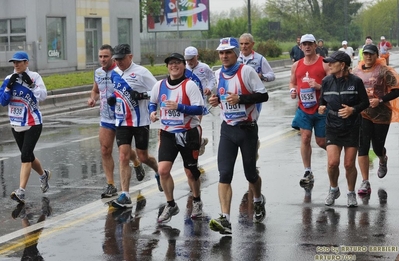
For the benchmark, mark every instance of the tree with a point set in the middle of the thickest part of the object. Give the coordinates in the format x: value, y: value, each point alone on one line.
x: 325, y: 18
x: 379, y: 19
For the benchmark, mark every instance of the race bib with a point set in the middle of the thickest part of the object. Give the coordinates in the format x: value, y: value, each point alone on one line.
x: 16, y: 111
x: 231, y: 112
x: 308, y: 97
x: 119, y: 109
x: 171, y: 117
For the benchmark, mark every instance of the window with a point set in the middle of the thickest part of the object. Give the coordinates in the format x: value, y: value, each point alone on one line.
x: 12, y: 34
x: 55, y: 38
x: 124, y: 31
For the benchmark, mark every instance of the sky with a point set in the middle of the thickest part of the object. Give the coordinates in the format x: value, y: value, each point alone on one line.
x: 225, y: 5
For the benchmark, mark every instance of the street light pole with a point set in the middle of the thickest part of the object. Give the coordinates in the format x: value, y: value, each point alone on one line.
x: 249, y: 16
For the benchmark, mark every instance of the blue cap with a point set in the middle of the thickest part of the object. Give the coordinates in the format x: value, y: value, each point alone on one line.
x: 227, y: 44
x: 19, y: 56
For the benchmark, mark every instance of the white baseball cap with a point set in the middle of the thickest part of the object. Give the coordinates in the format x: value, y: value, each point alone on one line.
x: 190, y: 52
x: 308, y: 38
x: 344, y: 43
x: 382, y: 37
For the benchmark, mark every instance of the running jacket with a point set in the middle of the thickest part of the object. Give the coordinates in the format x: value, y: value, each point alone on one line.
x: 23, y: 101
x: 129, y: 112
x: 349, y: 91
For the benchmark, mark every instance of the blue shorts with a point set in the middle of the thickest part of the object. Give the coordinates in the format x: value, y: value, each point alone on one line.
x: 107, y: 125
x: 302, y: 120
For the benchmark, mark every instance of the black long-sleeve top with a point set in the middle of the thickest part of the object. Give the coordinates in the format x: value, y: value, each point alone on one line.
x: 348, y: 90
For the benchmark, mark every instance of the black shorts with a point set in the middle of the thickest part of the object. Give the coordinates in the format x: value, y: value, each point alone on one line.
x: 348, y: 138
x: 169, y: 148
x: 125, y: 134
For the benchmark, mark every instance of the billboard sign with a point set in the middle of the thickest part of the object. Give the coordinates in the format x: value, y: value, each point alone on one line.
x: 180, y: 15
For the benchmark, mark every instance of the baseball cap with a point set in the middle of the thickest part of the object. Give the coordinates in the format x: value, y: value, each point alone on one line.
x: 190, y: 52
x: 176, y: 56
x: 338, y: 56
x: 370, y: 48
x: 19, y: 56
x: 121, y: 50
x: 320, y: 40
x: 229, y: 43
x: 308, y: 38
x: 344, y: 43
x: 382, y: 37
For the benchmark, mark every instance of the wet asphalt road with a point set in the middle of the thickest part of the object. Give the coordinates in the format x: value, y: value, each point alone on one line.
x: 298, y: 225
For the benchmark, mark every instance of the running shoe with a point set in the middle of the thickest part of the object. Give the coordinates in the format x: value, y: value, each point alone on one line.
x: 158, y: 182
x: 122, y: 215
x: 44, y: 180
x: 18, y: 195
x: 364, y: 188
x: 167, y: 213
x: 46, y: 209
x: 259, y: 210
x: 221, y: 225
x: 19, y: 211
x: 307, y: 178
x: 203, y: 144
x: 170, y: 232
x: 332, y: 196
x: 122, y: 201
x: 308, y: 192
x: 140, y: 172
x: 197, y: 209
x: 382, y: 196
x: 109, y: 191
x: 352, y: 202
x: 365, y: 198
x: 383, y: 169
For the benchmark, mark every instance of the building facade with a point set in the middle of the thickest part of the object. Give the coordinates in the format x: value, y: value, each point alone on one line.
x: 64, y: 35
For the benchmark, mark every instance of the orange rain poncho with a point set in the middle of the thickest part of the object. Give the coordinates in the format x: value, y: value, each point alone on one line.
x: 379, y: 80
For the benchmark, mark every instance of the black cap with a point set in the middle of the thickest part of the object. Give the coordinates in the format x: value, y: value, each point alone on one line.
x: 338, y: 56
x: 370, y: 48
x: 121, y: 50
x: 176, y: 56
x: 320, y: 40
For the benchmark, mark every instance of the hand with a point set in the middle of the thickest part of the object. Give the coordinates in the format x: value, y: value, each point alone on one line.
x: 207, y: 92
x: 111, y: 100
x: 345, y: 112
x: 233, y: 98
x: 322, y: 109
x: 214, y: 100
x: 293, y: 93
x: 26, y: 79
x: 153, y: 116
x: 313, y: 84
x: 170, y: 105
x: 91, y: 102
x: 374, y: 102
x: 12, y: 80
x: 138, y: 95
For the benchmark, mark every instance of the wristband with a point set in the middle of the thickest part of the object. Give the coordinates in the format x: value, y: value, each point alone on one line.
x: 292, y: 90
